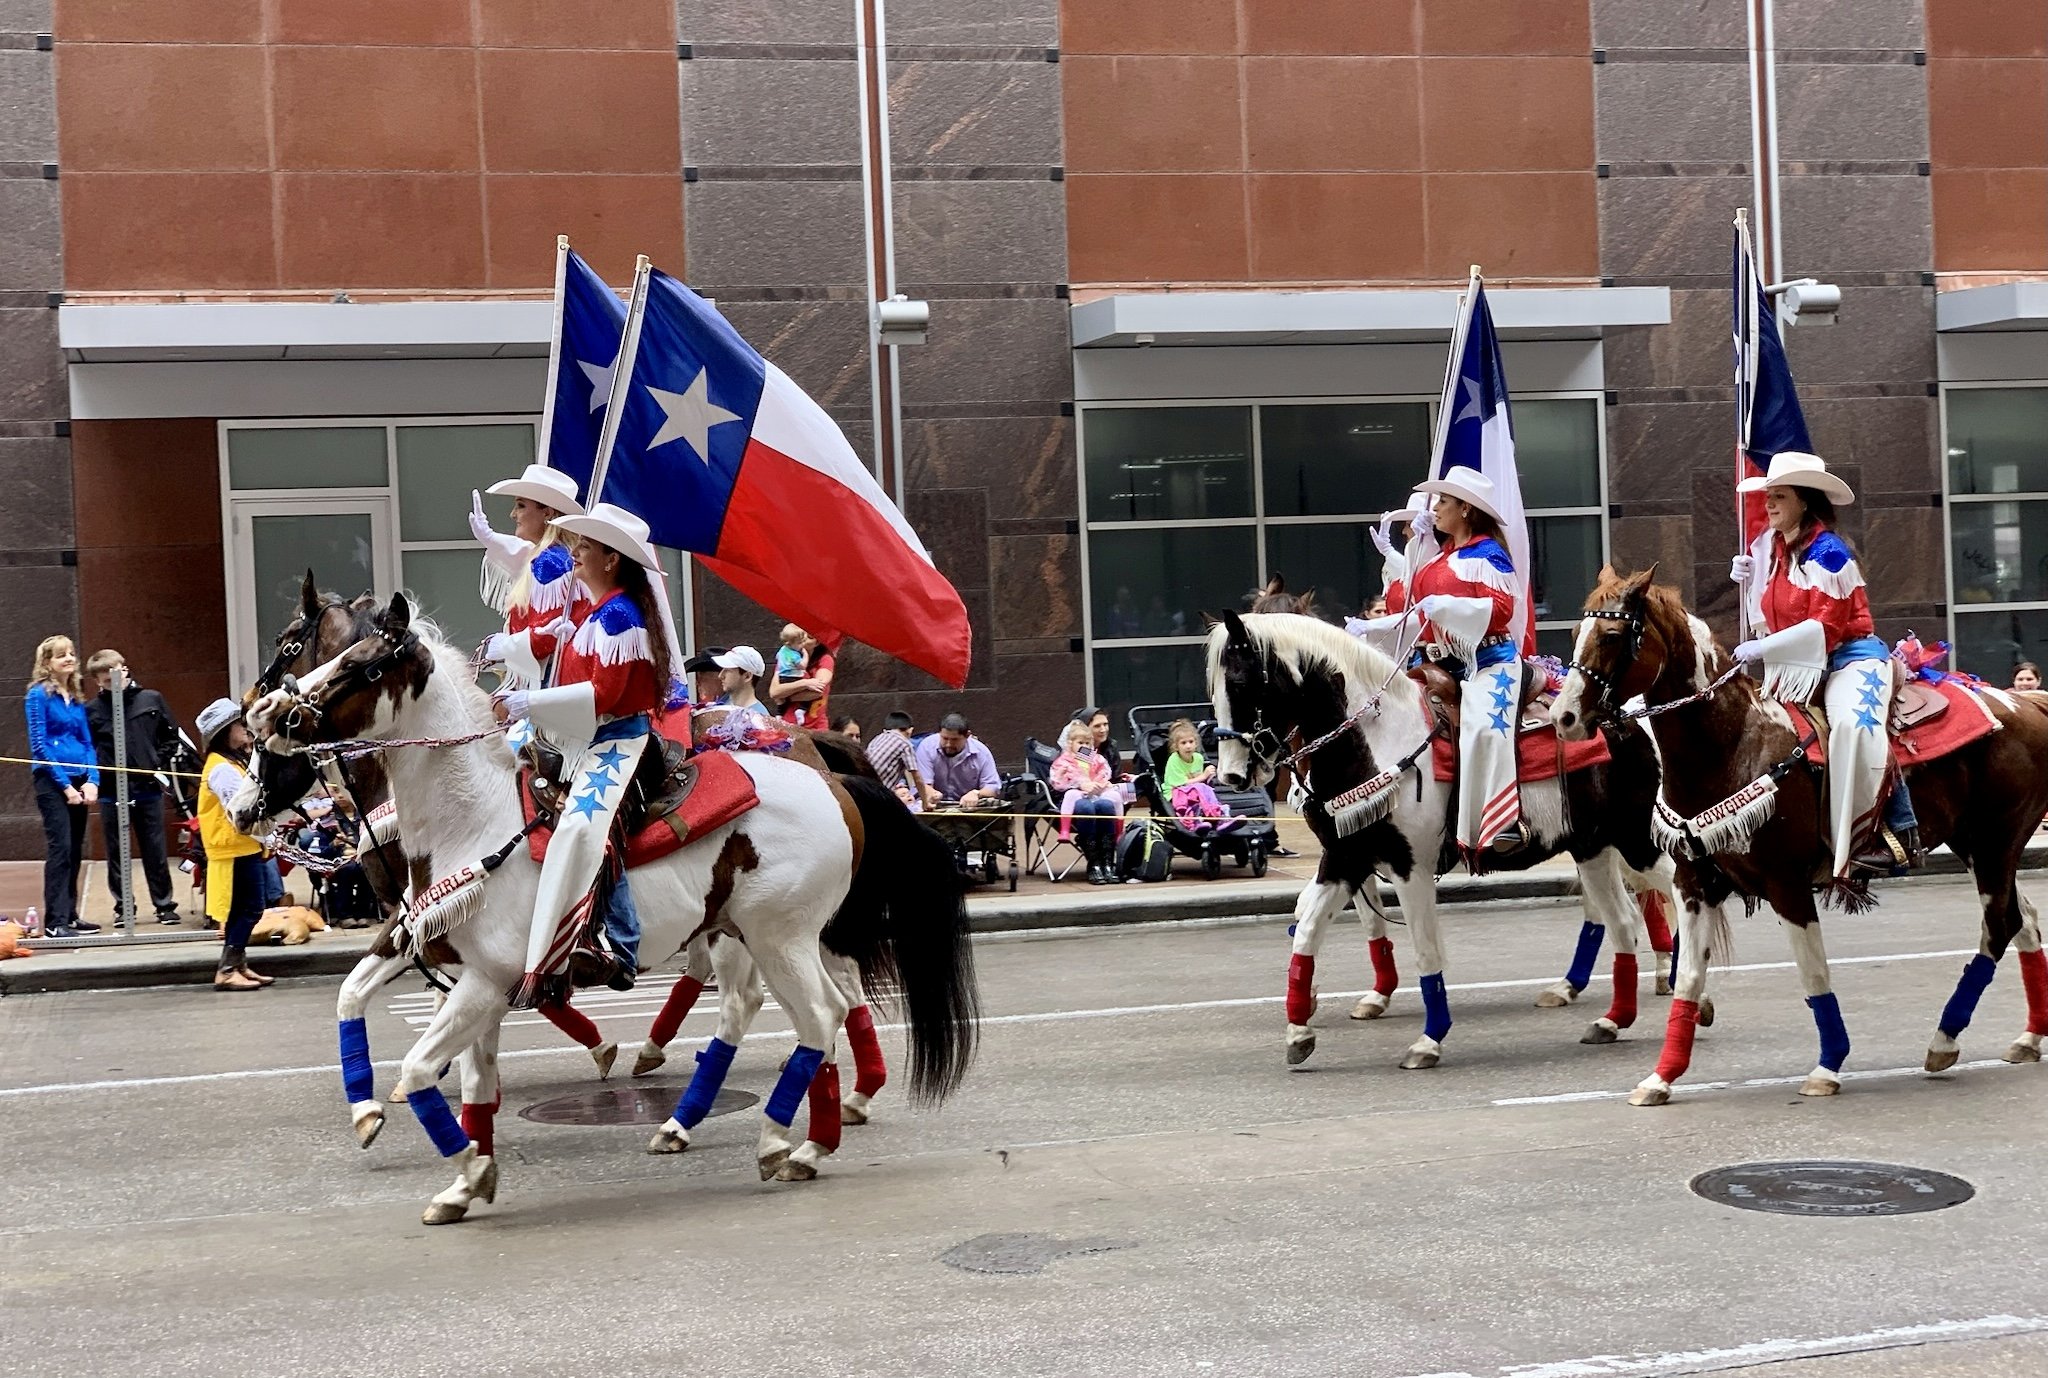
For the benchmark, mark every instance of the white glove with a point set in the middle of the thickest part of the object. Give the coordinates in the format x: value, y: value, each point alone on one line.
x: 517, y: 705
x: 479, y: 524
x: 1381, y: 542
x: 1742, y: 570
x: 1424, y: 524
x: 560, y: 629
x: 507, y: 551
x: 1750, y: 650
x: 497, y: 648
x: 1431, y: 605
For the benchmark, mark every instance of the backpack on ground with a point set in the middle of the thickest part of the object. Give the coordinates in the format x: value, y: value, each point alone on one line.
x: 1143, y: 853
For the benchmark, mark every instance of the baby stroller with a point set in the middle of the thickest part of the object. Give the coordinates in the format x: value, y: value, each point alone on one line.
x: 1249, y: 843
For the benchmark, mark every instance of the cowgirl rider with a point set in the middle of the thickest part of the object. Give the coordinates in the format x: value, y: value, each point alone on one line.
x: 1468, y: 596
x: 611, y: 679
x: 527, y: 575
x: 1801, y: 585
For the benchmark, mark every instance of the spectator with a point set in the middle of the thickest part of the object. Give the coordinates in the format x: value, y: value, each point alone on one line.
x: 152, y: 736
x: 1377, y: 607
x: 895, y: 760
x: 957, y: 766
x: 67, y: 783
x: 804, y: 701
x: 241, y: 882
x: 1091, y: 804
x: 1098, y: 725
x: 738, y: 668
x: 846, y: 725
x: 789, y: 656
x: 702, y: 670
x: 1188, y: 775
x: 2026, y: 675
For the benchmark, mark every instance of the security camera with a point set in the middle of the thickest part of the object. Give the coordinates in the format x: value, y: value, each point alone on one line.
x: 1817, y: 301
x: 901, y: 321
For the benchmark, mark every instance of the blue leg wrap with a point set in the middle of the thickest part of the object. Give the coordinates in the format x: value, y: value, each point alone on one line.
x: 1956, y: 1014
x: 1580, y: 974
x: 712, y: 1064
x: 1436, y: 1007
x: 358, y: 1083
x: 1834, y: 1034
x: 431, y: 1107
x: 797, y: 1075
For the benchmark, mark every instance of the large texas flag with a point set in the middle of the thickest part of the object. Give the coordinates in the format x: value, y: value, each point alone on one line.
x: 722, y: 454
x: 1477, y: 432
x: 1768, y: 420
x: 589, y: 320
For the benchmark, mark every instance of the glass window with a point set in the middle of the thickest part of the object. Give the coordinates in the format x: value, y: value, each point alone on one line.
x: 1990, y: 644
x: 2000, y: 551
x: 1557, y: 452
x: 1565, y: 554
x: 1159, y: 582
x: 339, y: 547
x: 439, y: 466
x: 1354, y: 458
x: 445, y: 584
x: 1997, y: 441
x: 1168, y: 463
x: 1128, y: 675
x: 1556, y: 642
x: 1336, y: 559
x: 307, y: 457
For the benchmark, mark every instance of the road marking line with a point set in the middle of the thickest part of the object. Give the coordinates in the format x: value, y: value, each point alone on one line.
x: 1758, y: 1352
x: 1684, y: 1088
x: 990, y: 1021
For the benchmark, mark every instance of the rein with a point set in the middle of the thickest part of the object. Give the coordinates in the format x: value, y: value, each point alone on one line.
x: 1633, y: 621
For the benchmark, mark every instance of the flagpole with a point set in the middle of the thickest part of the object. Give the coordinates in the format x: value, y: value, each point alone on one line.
x: 1447, y: 401
x: 1745, y: 383
x: 622, y: 373
x: 547, y: 406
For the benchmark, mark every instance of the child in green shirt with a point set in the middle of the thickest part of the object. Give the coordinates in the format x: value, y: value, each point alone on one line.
x: 1187, y: 782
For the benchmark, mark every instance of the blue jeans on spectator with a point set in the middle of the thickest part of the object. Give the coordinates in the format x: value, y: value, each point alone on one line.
x: 1094, y: 817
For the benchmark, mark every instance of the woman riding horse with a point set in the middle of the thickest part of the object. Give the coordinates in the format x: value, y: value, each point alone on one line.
x: 1815, y: 619
x: 528, y: 576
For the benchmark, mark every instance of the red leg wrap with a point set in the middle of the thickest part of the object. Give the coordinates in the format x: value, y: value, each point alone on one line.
x: 824, y: 1126
x: 2034, y: 975
x: 682, y: 997
x: 1623, y: 1010
x: 573, y: 1022
x: 477, y: 1120
x: 1684, y: 1023
x: 1301, y: 977
x: 870, y: 1072
x: 1655, y: 920
x: 1385, y: 978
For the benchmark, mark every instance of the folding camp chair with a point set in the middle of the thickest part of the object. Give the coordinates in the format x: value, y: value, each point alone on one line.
x: 1043, y: 840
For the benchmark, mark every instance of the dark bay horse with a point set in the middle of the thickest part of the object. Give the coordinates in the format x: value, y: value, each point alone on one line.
x: 1719, y: 740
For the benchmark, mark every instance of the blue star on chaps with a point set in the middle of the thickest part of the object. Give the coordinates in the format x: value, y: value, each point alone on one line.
x: 1503, y: 693
x: 590, y: 804
x: 610, y: 757
x: 1866, y: 711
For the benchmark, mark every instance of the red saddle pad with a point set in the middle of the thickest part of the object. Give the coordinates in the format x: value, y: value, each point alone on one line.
x: 722, y: 793
x: 1536, y: 755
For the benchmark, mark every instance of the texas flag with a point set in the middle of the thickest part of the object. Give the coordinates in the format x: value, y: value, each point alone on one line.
x: 1477, y: 432
x: 1767, y: 417
x: 721, y: 454
x: 589, y: 321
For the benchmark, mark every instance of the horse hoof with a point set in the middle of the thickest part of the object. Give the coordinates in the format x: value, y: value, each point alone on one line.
x: 397, y: 1097
x: 853, y: 1109
x: 1372, y: 1006
x: 1556, y: 997
x: 370, y: 1126
x: 2022, y: 1052
x: 1300, y: 1043
x: 670, y: 1138
x: 442, y: 1213
x: 1663, y: 984
x: 1417, y: 1061
x: 1650, y: 1095
x: 794, y: 1171
x: 1941, y: 1059
x: 604, y: 1055
x: 773, y: 1164
x: 1706, y: 1019
x: 1601, y: 1032
x: 651, y: 1056
x: 1820, y: 1086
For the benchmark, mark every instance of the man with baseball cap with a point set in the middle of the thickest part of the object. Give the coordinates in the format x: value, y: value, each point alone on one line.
x: 738, y: 669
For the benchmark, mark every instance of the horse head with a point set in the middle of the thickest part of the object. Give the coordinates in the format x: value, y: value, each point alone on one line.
x: 1274, y: 597
x: 1256, y: 701
x: 355, y: 694
x: 324, y: 626
x: 1626, y: 639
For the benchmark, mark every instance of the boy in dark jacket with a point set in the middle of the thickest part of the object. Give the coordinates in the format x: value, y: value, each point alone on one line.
x: 152, y: 735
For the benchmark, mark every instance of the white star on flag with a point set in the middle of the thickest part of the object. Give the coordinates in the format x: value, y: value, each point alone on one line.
x: 691, y: 415
x: 1470, y: 409
x: 600, y: 382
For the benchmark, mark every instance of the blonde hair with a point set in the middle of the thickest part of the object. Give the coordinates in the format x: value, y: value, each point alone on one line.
x: 1182, y: 727
x: 522, y: 587
x: 1086, y: 732
x: 792, y: 635
x: 71, y: 686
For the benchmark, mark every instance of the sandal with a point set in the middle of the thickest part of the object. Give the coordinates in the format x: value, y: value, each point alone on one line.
x: 234, y: 980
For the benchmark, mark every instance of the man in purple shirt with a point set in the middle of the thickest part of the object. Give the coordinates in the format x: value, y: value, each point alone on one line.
x: 957, y: 766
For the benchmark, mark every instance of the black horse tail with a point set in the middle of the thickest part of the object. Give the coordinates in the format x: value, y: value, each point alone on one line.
x: 904, y: 921
x: 843, y: 755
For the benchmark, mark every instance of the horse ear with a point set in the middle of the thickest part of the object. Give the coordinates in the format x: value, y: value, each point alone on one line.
x: 1639, y: 584
x: 309, y: 595
x: 1276, y: 584
x: 1306, y: 603
x: 1236, y: 626
x: 398, y: 616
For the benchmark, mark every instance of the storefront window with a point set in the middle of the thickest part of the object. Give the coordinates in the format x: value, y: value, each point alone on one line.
x: 1333, y: 461
x: 296, y: 457
x: 1158, y: 581
x: 438, y: 468
x: 1150, y: 464
x: 1998, y: 526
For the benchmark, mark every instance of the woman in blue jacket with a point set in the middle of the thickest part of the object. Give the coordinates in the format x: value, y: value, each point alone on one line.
x: 67, y: 781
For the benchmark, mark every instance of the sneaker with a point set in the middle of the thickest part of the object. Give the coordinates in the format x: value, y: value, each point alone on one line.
x: 61, y: 930
x: 169, y: 918
x: 83, y: 927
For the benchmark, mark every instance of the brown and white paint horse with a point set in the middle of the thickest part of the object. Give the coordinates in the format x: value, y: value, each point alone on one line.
x: 1984, y: 800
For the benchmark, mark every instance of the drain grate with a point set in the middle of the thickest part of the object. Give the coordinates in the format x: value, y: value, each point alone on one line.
x: 625, y: 1105
x: 1836, y: 1189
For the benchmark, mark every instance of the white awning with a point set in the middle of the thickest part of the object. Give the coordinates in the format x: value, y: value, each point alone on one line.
x: 1356, y: 317
x: 2005, y: 306
x: 190, y: 332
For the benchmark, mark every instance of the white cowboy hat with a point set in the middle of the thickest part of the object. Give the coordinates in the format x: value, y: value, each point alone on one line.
x: 1794, y: 469
x: 216, y: 716
x: 741, y: 658
x: 614, y: 526
x: 548, y: 487
x: 1466, y: 485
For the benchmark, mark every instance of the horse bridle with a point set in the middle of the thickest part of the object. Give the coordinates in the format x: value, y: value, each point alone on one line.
x: 1633, y: 622
x: 292, y: 643
x: 397, y: 650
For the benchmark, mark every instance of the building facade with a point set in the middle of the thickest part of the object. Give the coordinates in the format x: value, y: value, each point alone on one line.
x: 273, y: 281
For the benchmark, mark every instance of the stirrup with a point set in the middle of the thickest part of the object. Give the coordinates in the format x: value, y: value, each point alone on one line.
x: 1889, y: 853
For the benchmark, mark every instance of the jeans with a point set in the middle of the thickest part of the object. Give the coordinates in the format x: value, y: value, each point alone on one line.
x: 1094, y: 816
x: 255, y: 883
x: 146, y: 816
x: 622, y: 922
x: 63, y: 851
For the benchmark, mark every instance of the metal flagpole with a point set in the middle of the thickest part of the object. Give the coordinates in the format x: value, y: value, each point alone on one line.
x: 622, y: 372
x: 1745, y: 387
x: 1447, y: 402
x: 547, y: 406
x: 124, y: 847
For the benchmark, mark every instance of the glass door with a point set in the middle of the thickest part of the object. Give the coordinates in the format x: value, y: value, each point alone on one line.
x: 346, y: 542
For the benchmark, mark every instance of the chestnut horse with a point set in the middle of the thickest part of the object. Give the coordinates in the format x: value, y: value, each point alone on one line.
x: 1719, y: 738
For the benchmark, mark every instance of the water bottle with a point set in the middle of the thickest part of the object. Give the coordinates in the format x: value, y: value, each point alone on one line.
x: 32, y: 923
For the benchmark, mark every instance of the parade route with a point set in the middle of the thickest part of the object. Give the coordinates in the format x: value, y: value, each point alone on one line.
x: 1131, y: 1182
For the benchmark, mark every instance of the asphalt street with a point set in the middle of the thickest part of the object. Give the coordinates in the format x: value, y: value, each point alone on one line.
x: 1131, y: 1183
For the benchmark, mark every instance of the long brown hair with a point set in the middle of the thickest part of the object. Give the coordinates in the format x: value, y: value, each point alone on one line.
x: 634, y: 581
x: 71, y: 686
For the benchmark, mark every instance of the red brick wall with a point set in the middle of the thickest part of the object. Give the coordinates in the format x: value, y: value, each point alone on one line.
x: 1987, y: 117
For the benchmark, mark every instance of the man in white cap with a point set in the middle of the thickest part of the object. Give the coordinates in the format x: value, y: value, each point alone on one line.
x: 527, y: 575
x: 739, y: 669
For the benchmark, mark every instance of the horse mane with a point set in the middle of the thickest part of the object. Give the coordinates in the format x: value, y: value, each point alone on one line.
x: 1304, y: 645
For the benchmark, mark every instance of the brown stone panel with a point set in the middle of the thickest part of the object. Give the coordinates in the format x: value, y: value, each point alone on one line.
x: 1987, y: 113
x: 1902, y: 555
x: 160, y: 21
x: 1530, y: 224
x: 31, y: 370
x: 1039, y: 696
x: 1026, y: 462
x: 344, y: 230
x: 750, y: 21
x: 980, y: 114
x: 1035, y: 22
x: 36, y: 472
x: 1309, y: 114
x: 394, y: 23
x: 1673, y: 112
x: 1987, y: 28
x: 1667, y: 24
x: 1337, y: 226
x: 1651, y: 445
x: 166, y: 231
x: 1987, y: 220
x: 1692, y: 351
x: 1148, y: 26
x: 1152, y: 114
x: 1029, y: 336
x: 173, y: 622
x: 376, y: 109
x: 1037, y: 581
x: 1892, y: 440
x: 31, y: 250
x: 1892, y: 24
x: 609, y: 219
x: 161, y: 107
x: 623, y: 119
x: 1857, y: 224
x: 1636, y: 543
x: 1482, y: 114
x: 649, y: 25
x: 28, y: 106
x: 1856, y: 111
x: 953, y: 524
x: 1316, y: 26
x: 1883, y: 335
x: 977, y: 231
x: 1658, y: 227
x: 41, y: 600
x: 1156, y: 229
x: 775, y: 233
x: 822, y: 345
x: 756, y: 112
x: 1489, y: 27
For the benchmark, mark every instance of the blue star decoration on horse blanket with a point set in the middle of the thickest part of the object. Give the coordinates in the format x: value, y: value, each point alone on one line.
x: 1866, y: 711
x: 1503, y: 698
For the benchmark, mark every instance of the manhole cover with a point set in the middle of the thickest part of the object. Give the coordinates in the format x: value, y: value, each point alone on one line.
x: 1020, y: 1253
x: 1832, y: 1188
x: 625, y: 1105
